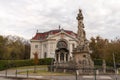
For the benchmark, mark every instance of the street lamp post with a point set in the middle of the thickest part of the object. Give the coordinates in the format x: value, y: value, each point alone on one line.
x: 6, y: 71
x: 16, y: 72
x: 115, y: 66
x: 95, y: 73
x: 27, y: 73
x: 51, y: 67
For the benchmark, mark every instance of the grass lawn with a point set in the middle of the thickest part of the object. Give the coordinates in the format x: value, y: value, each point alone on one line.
x: 41, y: 71
x: 45, y: 73
x: 31, y: 67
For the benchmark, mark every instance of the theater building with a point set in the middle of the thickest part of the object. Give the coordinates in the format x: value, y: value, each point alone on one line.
x: 56, y: 44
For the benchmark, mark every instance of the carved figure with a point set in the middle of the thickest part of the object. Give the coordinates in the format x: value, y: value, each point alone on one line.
x: 81, y: 33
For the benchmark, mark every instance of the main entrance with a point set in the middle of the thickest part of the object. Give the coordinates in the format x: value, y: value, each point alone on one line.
x: 62, y: 53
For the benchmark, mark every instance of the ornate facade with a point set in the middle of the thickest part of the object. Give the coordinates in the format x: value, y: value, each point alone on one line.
x: 57, y: 44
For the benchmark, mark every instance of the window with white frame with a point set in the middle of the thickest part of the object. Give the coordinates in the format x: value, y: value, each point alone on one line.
x: 45, y: 55
x: 36, y: 46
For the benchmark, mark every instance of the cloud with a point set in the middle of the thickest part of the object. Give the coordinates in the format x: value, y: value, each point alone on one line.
x: 24, y: 17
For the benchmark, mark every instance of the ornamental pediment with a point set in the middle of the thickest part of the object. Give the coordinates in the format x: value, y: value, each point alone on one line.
x: 63, y: 35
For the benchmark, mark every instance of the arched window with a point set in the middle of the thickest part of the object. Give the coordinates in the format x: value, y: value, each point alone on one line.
x: 62, y: 44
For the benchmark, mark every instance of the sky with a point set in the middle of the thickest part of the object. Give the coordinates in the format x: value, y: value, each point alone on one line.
x: 24, y: 17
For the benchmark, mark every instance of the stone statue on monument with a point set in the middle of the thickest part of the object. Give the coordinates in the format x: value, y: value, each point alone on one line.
x: 80, y: 33
x: 81, y: 53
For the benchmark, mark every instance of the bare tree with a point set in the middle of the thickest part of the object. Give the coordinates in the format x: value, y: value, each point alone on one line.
x: 35, y: 61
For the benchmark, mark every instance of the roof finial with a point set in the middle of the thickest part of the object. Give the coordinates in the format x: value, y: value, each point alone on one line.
x: 59, y: 27
x: 37, y: 31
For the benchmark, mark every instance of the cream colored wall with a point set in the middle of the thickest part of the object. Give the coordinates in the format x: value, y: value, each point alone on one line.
x: 33, y: 49
x: 51, y: 49
x: 69, y: 40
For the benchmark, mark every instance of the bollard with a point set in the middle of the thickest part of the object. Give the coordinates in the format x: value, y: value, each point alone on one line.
x: 117, y: 71
x: 77, y: 73
x: 16, y: 73
x: 27, y: 73
x: 97, y: 72
x: 6, y: 73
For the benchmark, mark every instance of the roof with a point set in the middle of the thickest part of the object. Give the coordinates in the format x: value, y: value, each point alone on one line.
x: 44, y: 35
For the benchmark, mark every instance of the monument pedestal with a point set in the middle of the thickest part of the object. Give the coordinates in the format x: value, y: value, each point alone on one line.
x: 83, y: 60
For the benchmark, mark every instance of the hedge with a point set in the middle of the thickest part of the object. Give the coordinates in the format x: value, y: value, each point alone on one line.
x: 5, y: 64
x: 46, y: 61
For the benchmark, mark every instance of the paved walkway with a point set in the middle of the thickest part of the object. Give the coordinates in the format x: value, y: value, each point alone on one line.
x: 101, y: 77
x: 11, y: 73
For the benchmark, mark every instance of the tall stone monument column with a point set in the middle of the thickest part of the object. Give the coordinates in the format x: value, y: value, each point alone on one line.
x: 80, y: 32
x: 81, y: 54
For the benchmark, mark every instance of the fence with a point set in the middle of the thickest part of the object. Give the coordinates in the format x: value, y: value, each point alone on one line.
x: 76, y: 74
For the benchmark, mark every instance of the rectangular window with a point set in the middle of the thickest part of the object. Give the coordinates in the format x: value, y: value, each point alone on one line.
x: 36, y: 46
x: 44, y: 45
x: 45, y: 55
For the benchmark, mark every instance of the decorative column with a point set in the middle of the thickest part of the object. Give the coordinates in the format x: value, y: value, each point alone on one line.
x: 69, y: 57
x: 59, y: 57
x: 64, y: 57
x: 55, y: 57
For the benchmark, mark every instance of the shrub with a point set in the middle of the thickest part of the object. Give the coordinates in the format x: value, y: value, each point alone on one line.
x: 46, y: 61
x: 5, y: 64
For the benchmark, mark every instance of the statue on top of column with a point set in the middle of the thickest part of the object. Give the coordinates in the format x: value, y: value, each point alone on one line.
x: 81, y: 33
x: 80, y: 16
x: 81, y: 54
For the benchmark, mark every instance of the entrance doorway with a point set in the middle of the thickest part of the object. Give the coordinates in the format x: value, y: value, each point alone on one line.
x: 62, y: 53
